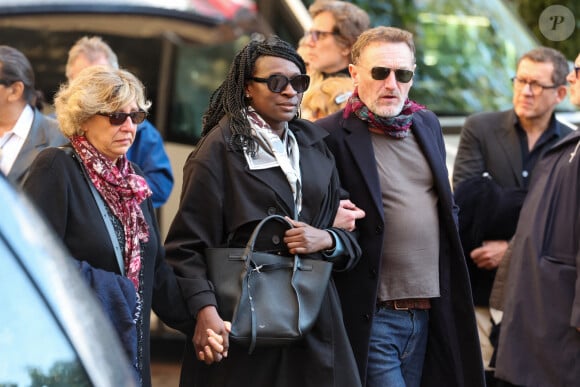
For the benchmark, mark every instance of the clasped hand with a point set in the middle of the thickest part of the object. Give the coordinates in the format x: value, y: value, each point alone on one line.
x: 211, y: 337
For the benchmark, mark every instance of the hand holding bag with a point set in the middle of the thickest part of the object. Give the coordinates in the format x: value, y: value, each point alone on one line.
x: 270, y: 299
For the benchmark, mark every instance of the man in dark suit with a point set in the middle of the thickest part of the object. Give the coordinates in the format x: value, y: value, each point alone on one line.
x: 24, y: 130
x: 407, y: 304
x: 505, y: 146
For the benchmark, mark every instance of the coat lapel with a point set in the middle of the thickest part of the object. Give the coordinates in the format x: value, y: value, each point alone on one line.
x: 508, y: 140
x: 359, y: 143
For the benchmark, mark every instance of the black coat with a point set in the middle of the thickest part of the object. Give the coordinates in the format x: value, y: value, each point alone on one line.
x: 57, y: 187
x: 222, y: 199
x: 453, y: 357
x: 539, y: 344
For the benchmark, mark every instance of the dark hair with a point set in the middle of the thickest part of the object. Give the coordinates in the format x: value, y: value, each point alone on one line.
x: 15, y: 67
x: 228, y: 99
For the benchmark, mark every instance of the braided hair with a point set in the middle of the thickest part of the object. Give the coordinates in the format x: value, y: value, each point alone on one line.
x: 229, y: 100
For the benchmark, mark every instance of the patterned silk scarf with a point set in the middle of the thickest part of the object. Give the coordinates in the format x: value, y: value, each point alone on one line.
x: 277, y: 153
x: 398, y: 126
x: 123, y: 191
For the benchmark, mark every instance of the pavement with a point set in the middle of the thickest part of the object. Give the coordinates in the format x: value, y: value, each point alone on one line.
x: 166, y: 361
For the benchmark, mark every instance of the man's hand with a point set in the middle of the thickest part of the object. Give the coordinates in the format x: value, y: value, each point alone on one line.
x: 489, y: 255
x: 347, y: 215
x: 211, y: 340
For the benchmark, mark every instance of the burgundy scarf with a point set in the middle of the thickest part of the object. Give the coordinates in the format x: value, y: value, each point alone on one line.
x: 398, y: 126
x: 123, y: 191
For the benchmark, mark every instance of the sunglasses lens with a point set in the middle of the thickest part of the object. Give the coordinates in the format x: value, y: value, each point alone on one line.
x: 138, y: 117
x: 380, y: 73
x: 117, y: 118
x: 277, y: 83
x: 403, y: 76
x: 300, y: 83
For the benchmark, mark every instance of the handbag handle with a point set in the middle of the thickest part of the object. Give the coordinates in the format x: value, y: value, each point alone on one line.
x: 252, y: 240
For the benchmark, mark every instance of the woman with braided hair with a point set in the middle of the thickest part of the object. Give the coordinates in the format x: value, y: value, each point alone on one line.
x: 256, y: 158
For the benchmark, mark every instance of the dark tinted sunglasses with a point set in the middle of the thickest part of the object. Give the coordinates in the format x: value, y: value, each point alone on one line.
x: 118, y: 118
x: 381, y: 73
x: 278, y: 82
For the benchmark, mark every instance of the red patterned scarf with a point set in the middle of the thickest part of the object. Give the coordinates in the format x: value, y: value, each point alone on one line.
x: 397, y: 126
x: 123, y: 190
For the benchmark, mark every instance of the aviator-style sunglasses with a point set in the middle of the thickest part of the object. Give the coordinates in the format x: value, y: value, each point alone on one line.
x: 118, y: 118
x: 381, y: 73
x: 278, y: 82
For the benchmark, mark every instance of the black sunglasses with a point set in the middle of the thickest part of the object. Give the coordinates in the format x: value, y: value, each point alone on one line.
x: 118, y: 118
x: 381, y: 73
x: 278, y: 82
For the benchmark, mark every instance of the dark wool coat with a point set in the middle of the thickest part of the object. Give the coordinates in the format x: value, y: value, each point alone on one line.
x: 57, y: 187
x: 539, y: 345
x: 222, y: 199
x: 453, y: 356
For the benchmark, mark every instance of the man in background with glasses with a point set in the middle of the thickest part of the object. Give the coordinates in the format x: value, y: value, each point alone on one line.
x: 539, y: 343
x: 335, y: 27
x: 505, y: 146
x: 24, y: 130
x: 407, y: 304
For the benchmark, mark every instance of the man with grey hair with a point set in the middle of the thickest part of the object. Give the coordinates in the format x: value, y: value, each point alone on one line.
x: 407, y: 304
x: 147, y: 150
x: 24, y: 130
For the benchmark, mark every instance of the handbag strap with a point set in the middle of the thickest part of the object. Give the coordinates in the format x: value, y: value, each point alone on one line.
x: 102, y: 209
x: 252, y: 269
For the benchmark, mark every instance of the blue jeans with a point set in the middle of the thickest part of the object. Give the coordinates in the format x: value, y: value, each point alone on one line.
x: 397, y: 348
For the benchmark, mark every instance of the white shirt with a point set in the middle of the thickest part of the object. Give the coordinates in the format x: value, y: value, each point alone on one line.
x: 11, y: 142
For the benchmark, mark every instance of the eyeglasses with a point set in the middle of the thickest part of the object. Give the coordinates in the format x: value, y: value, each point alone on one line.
x: 118, y: 118
x: 6, y: 82
x: 535, y: 87
x: 316, y: 34
x: 278, y: 82
x: 401, y: 75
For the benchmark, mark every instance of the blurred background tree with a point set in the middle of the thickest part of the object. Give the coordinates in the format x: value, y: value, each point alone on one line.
x: 467, y: 49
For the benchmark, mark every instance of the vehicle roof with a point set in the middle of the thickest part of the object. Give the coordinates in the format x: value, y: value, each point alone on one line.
x: 143, y: 18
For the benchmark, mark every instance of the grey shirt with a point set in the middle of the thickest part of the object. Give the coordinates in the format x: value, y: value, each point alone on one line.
x: 410, y: 259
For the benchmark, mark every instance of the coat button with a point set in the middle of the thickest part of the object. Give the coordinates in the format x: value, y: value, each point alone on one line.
x: 379, y: 229
x: 276, y: 239
x: 373, y: 273
x: 367, y: 317
x: 271, y: 210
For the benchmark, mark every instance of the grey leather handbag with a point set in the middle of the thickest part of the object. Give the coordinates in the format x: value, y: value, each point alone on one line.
x: 270, y: 299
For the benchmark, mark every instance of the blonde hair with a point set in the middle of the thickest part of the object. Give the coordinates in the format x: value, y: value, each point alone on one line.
x: 97, y: 89
x: 326, y: 97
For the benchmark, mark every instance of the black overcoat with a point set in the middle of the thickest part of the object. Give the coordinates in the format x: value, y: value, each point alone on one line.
x: 56, y: 185
x: 222, y: 199
x: 453, y: 355
x: 539, y: 344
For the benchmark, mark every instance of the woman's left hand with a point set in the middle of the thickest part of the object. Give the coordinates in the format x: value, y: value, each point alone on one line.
x: 305, y: 239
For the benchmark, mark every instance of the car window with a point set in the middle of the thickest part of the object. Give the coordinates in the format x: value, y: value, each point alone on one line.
x: 198, y: 71
x: 34, y: 349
